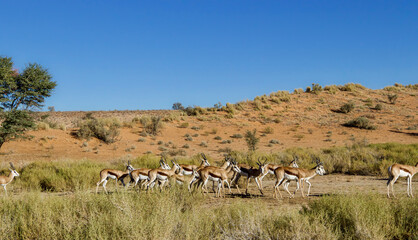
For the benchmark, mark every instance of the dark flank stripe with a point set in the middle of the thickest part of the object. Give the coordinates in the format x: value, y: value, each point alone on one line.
x: 406, y: 170
x: 214, y: 175
x: 187, y: 169
x: 163, y: 174
x: 113, y: 174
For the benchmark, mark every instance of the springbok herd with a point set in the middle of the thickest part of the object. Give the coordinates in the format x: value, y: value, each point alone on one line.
x: 200, y: 175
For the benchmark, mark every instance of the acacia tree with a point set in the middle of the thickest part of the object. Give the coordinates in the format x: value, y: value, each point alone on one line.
x: 20, y: 93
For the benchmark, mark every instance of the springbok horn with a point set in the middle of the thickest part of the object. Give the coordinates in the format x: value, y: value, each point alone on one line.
x: 11, y: 165
x: 204, y: 156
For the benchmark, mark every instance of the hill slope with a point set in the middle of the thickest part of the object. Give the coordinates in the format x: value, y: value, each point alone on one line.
x: 282, y: 120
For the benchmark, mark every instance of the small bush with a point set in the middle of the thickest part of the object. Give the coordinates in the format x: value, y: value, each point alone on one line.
x: 360, y: 122
x: 298, y: 91
x: 378, y: 107
x: 274, y: 141
x: 177, y: 106
x: 392, y: 98
x: 236, y: 135
x: 152, y: 125
x: 251, y: 139
x: 203, y: 144
x: 351, y: 87
x: 196, y: 128
x: 194, y: 111
x: 106, y: 130
x: 316, y: 88
x: 184, y: 125
x: 348, y: 107
x: 331, y: 89
x: 268, y: 130
x: 217, y: 138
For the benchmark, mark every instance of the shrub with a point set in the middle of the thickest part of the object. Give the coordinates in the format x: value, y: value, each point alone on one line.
x: 152, y: 125
x: 106, y: 130
x: 177, y: 106
x: 331, y: 89
x: 274, y: 141
x: 298, y: 91
x: 268, y: 130
x: 194, y: 111
x: 351, y: 87
x: 392, y: 98
x: 360, y: 122
x: 316, y: 88
x: 378, y: 107
x: 203, y: 144
x: 251, y: 139
x: 196, y: 128
x: 236, y: 135
x: 348, y: 107
x: 184, y: 125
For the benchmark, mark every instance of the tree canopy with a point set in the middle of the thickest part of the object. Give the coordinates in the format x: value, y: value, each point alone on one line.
x: 25, y: 90
x: 19, y: 93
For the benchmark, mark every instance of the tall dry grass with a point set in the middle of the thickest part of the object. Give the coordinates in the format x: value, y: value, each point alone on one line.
x: 176, y: 214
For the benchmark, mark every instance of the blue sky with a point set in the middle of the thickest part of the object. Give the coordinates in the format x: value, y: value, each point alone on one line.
x: 108, y: 55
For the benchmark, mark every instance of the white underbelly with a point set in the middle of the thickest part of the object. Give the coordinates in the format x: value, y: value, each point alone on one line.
x: 111, y: 176
x: 215, y: 179
x: 402, y: 173
x: 142, y: 177
x: 187, y: 173
x: 161, y: 177
x: 290, y: 177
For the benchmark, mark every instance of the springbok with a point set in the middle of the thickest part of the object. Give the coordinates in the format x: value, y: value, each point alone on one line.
x: 251, y: 172
x: 118, y: 175
x: 141, y: 174
x: 196, y: 176
x: 188, y: 169
x: 399, y: 170
x: 272, y: 167
x: 287, y: 174
x: 219, y: 175
x: 6, y: 180
x: 162, y: 175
